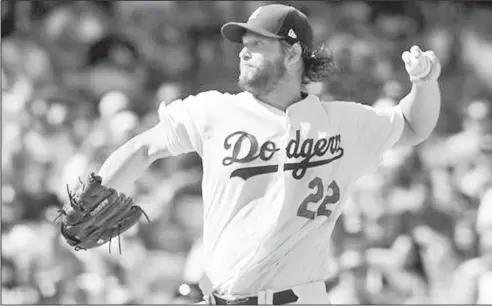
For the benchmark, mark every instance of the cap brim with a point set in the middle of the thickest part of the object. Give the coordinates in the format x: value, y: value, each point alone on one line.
x: 234, y: 31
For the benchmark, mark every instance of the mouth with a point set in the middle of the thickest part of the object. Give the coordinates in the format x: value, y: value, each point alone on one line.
x: 247, y: 65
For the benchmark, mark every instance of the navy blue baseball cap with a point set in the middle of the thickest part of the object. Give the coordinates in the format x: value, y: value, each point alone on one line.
x: 274, y: 21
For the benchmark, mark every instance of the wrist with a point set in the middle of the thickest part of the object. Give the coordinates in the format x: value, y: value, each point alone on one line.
x: 424, y: 82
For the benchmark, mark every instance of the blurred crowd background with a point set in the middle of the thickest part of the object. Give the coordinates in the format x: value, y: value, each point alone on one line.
x: 80, y: 78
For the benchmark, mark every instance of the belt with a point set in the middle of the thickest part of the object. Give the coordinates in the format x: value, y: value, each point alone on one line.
x: 279, y: 298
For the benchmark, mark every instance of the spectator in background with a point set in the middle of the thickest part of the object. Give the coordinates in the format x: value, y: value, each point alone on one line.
x: 71, y: 29
x: 477, y: 122
x: 114, y: 63
x: 473, y: 278
x: 392, y: 93
x: 117, y: 123
x: 468, y: 162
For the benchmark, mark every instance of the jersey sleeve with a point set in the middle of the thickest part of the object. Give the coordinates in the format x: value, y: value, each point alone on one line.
x: 183, y: 122
x: 377, y: 131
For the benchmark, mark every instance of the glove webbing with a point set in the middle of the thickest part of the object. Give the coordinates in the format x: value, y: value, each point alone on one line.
x: 73, y: 202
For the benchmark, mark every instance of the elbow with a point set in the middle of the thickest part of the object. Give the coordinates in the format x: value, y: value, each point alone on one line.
x: 421, y: 136
x: 415, y: 133
x: 149, y: 150
x: 427, y: 130
x: 142, y: 149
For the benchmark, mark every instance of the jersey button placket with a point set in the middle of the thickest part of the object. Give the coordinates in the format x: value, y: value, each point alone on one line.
x: 283, y: 146
x: 289, y: 131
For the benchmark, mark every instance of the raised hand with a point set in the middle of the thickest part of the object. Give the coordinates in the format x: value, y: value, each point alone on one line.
x: 421, y: 66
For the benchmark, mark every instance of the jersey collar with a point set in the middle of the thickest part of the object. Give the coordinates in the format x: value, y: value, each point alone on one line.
x: 308, y: 102
x: 304, y: 106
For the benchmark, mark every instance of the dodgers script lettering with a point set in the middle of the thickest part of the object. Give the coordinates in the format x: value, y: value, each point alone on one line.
x: 245, y: 148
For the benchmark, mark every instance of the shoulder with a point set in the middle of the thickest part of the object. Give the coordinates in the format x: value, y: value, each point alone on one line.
x: 341, y: 105
x: 202, y: 109
x: 202, y: 103
x: 357, y: 110
x: 213, y: 99
x: 208, y: 97
x: 472, y: 268
x: 345, y: 110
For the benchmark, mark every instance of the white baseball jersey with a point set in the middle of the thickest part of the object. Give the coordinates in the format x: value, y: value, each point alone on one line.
x: 484, y: 285
x: 274, y: 182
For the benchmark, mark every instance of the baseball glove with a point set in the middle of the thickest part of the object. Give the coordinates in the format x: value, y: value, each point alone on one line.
x: 96, y: 214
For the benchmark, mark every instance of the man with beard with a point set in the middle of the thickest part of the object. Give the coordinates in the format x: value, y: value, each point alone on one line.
x: 277, y: 162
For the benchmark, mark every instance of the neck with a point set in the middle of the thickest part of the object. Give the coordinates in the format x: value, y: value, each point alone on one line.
x: 284, y: 95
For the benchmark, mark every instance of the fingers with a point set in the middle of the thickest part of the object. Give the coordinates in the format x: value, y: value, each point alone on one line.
x: 431, y: 55
x: 415, y: 51
x: 163, y: 104
x: 406, y: 57
x: 419, y: 63
x: 162, y: 109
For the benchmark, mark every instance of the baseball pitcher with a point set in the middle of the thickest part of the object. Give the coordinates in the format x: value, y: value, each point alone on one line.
x: 278, y: 162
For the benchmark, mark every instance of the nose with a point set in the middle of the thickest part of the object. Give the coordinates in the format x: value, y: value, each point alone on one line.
x: 244, y: 54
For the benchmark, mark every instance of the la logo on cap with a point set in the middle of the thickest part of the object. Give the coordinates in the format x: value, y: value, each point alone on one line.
x: 292, y: 34
x: 255, y: 13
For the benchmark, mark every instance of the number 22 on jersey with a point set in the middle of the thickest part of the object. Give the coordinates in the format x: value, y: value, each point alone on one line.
x: 330, y: 196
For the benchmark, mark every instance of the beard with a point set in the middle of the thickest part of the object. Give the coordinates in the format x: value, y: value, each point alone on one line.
x: 261, y: 80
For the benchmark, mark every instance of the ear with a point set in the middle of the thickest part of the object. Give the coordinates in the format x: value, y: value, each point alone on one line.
x: 294, y: 55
